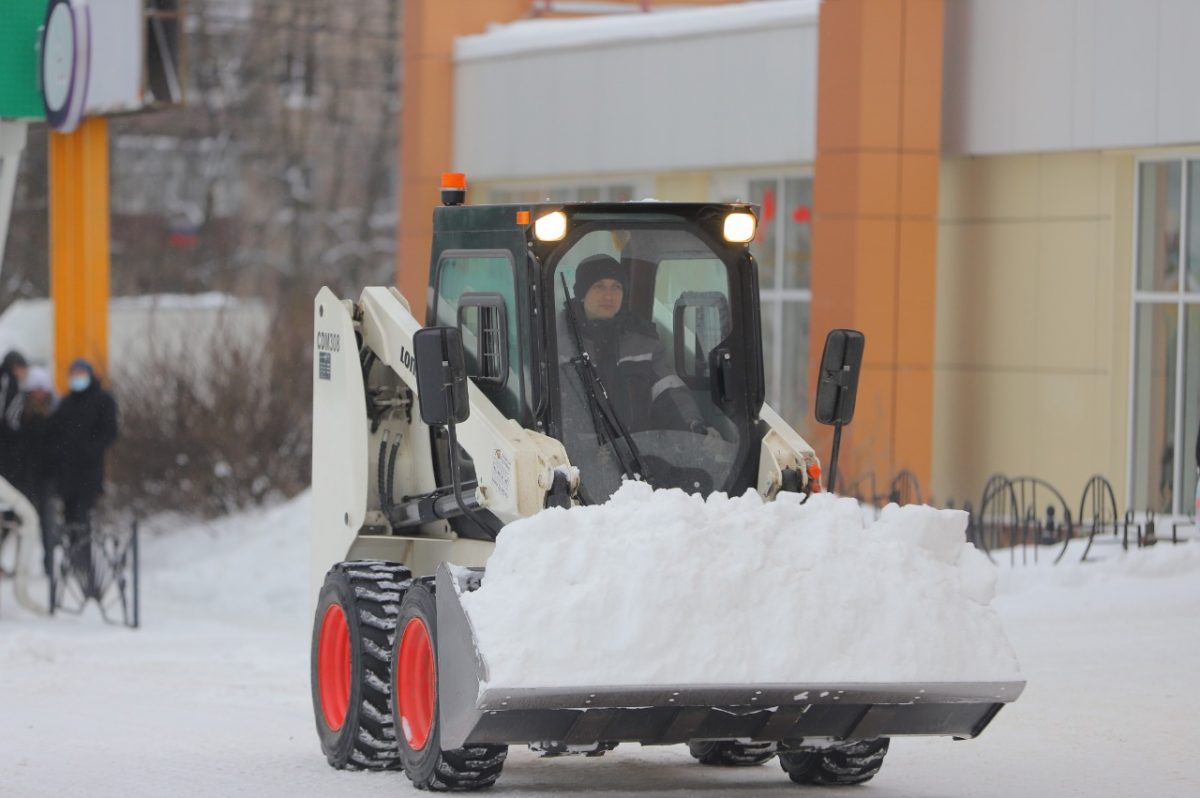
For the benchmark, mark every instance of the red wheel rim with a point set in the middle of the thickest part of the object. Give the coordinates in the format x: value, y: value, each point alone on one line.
x: 416, y: 683
x: 333, y: 667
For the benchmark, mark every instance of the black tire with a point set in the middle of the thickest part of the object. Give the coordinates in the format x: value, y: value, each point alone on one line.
x: 849, y: 764
x: 728, y: 753
x: 367, y: 593
x: 427, y: 766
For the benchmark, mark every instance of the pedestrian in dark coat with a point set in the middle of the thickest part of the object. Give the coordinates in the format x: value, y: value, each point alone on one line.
x: 35, y: 455
x: 12, y: 373
x: 82, y: 429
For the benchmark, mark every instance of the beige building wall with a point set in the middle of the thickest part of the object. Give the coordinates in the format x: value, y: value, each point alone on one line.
x: 684, y: 187
x: 1033, y: 317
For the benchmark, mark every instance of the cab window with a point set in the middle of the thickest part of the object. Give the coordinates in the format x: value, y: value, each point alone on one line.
x: 476, y: 292
x: 659, y: 369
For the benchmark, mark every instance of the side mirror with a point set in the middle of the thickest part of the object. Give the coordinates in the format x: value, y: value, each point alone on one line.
x: 838, y: 386
x: 441, y: 376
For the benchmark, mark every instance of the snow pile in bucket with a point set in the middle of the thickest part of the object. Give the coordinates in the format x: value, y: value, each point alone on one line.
x: 662, y: 587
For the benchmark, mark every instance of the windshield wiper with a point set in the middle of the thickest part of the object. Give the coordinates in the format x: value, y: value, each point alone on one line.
x: 604, y: 418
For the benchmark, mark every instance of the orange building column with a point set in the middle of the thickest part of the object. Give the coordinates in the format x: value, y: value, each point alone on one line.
x: 427, y: 121
x: 879, y: 98
x: 79, y: 246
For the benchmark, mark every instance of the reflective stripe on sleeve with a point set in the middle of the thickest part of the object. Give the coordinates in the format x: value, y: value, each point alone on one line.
x: 665, y: 384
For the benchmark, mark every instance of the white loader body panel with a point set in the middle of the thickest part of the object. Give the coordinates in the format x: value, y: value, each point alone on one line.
x: 339, y: 462
x: 782, y: 448
x: 514, y: 466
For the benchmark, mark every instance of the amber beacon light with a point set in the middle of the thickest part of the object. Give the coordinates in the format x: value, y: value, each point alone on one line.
x: 454, y: 188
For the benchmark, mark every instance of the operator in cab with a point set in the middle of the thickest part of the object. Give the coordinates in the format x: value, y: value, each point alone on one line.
x: 630, y: 360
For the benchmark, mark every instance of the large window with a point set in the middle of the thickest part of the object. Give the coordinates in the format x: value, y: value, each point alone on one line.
x: 1166, y: 352
x: 783, y: 250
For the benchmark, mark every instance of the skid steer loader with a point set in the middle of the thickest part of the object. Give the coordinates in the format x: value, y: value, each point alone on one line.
x: 427, y: 441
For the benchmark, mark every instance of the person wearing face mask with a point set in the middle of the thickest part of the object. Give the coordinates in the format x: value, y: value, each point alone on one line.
x: 81, y: 430
x: 12, y: 400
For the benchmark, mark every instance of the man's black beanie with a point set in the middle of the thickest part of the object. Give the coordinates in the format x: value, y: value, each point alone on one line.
x: 597, y: 267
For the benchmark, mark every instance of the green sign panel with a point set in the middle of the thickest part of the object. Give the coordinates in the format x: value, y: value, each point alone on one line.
x: 19, y: 36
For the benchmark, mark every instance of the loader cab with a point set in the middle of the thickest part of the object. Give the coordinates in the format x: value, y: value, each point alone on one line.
x: 680, y: 362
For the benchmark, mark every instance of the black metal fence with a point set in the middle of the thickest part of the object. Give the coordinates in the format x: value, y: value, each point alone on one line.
x: 1026, y: 514
x: 1032, y: 519
x: 904, y: 488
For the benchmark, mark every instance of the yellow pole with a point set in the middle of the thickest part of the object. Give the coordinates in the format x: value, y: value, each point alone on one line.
x: 79, y: 246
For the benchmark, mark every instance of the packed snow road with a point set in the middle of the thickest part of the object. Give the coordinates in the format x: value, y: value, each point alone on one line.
x: 211, y: 696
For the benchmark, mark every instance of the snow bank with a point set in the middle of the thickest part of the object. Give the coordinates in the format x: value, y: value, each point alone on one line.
x: 244, y: 566
x: 661, y: 587
x: 1106, y: 583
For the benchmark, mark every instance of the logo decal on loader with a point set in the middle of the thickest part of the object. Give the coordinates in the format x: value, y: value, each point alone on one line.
x: 329, y: 342
x: 407, y: 360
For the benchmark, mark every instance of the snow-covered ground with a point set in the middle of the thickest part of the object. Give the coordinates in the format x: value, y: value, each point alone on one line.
x: 211, y: 697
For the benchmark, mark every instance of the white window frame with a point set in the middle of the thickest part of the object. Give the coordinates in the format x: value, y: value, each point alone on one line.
x: 1181, y: 299
x: 737, y: 187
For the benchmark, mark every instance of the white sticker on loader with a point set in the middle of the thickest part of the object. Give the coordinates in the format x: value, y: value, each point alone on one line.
x: 502, y: 473
x: 327, y: 342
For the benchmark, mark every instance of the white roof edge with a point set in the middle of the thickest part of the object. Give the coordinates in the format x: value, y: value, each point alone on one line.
x: 563, y: 34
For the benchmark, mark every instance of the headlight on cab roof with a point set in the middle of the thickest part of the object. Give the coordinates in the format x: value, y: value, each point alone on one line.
x: 551, y: 227
x: 739, y: 227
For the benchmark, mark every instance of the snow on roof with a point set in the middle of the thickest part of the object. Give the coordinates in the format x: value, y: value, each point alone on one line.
x: 211, y: 300
x: 27, y: 325
x: 560, y: 34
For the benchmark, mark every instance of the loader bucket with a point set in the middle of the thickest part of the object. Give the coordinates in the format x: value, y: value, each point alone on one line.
x: 472, y: 712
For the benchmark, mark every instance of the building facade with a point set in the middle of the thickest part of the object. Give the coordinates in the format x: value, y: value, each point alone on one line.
x: 1005, y: 196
